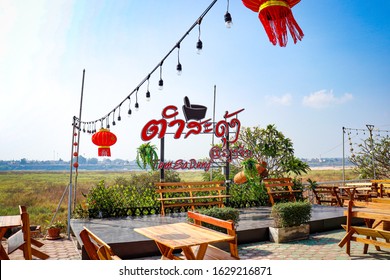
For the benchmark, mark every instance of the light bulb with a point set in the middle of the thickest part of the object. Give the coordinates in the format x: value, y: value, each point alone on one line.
x: 129, y: 113
x: 228, y: 20
x: 161, y: 84
x: 179, y: 69
x: 148, y: 96
x: 199, y: 46
x: 136, y: 106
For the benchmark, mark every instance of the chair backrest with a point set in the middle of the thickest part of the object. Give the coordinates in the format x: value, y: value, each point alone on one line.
x: 95, y: 247
x: 199, y: 219
x: 280, y: 188
x: 25, y: 219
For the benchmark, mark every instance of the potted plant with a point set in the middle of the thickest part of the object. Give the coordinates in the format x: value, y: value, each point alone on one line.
x: 54, y: 230
x: 290, y: 221
x: 251, y: 169
x: 147, y: 155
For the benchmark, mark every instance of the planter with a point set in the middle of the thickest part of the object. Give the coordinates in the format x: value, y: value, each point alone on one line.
x: 288, y: 234
x: 240, y: 177
x: 53, y: 233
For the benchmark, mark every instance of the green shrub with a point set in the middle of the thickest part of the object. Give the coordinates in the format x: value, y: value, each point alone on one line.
x: 289, y: 214
x: 224, y: 213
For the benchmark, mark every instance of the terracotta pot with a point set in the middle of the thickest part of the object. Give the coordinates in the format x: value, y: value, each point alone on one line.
x: 240, y: 177
x: 53, y: 233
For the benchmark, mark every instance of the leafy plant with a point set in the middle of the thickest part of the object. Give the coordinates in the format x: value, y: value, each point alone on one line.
x: 250, y: 169
x: 57, y: 224
x: 312, y: 184
x: 289, y: 214
x: 147, y: 155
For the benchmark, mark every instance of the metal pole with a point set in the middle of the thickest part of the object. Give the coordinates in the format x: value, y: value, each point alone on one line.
x: 78, y: 138
x: 162, y: 152
x: 370, y: 128
x: 212, y: 139
x: 71, y: 177
x: 343, y: 157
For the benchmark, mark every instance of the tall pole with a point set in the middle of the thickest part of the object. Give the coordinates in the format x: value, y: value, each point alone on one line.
x: 78, y: 138
x: 75, y: 145
x: 343, y: 156
x: 162, y: 154
x: 370, y: 128
x: 212, y: 139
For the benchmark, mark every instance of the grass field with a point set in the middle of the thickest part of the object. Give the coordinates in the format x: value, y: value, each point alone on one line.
x: 41, y: 192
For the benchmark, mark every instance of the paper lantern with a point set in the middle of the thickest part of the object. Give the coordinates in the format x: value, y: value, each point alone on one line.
x: 104, y: 139
x: 276, y: 17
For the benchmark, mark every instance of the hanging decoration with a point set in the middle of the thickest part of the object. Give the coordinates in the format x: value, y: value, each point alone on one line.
x: 276, y: 16
x: 104, y: 139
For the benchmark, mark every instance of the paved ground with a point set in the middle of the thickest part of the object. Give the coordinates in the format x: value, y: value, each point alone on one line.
x: 319, y: 247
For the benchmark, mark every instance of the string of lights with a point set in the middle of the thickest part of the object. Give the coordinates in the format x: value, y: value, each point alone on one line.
x: 115, y: 114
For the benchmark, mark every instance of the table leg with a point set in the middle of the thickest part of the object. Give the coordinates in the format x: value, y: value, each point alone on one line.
x: 189, y: 253
x: 165, y: 251
x: 3, y: 253
x: 201, y: 251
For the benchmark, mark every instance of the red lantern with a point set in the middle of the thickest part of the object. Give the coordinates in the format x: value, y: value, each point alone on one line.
x: 276, y: 16
x: 104, y: 139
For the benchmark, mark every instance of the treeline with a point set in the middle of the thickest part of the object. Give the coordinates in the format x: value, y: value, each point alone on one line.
x: 118, y: 164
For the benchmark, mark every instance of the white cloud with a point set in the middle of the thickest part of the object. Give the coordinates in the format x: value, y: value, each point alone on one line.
x: 323, y: 98
x: 284, y: 100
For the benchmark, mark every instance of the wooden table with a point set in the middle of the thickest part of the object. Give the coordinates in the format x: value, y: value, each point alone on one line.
x: 7, y: 222
x: 357, y: 190
x: 374, y: 215
x: 183, y: 236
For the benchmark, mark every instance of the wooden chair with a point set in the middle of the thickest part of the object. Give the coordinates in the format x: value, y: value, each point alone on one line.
x: 212, y: 252
x: 96, y: 248
x: 327, y: 195
x: 280, y: 189
x: 22, y: 239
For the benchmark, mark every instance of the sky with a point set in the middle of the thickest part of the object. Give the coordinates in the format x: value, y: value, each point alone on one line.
x: 336, y: 76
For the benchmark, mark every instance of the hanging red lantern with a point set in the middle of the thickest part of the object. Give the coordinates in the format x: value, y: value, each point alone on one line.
x: 276, y: 16
x: 104, y: 139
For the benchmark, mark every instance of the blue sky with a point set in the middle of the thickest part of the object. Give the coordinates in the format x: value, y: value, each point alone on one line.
x: 337, y: 76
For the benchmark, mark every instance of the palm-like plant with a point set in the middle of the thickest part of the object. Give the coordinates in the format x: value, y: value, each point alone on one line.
x: 147, y: 155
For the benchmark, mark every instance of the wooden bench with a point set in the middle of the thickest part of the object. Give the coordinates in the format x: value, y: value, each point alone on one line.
x: 192, y: 194
x: 280, y: 189
x: 212, y: 252
x: 327, y: 195
x: 96, y: 248
x: 377, y: 218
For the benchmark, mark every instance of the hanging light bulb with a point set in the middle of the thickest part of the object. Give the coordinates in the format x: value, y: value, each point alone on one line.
x: 113, y: 119
x: 161, y: 82
x: 147, y: 96
x: 228, y: 17
x: 199, y: 44
x: 119, y: 114
x: 147, y: 91
x: 136, y: 101
x: 129, y: 111
x: 199, y: 47
x: 228, y: 20
x: 178, y: 67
